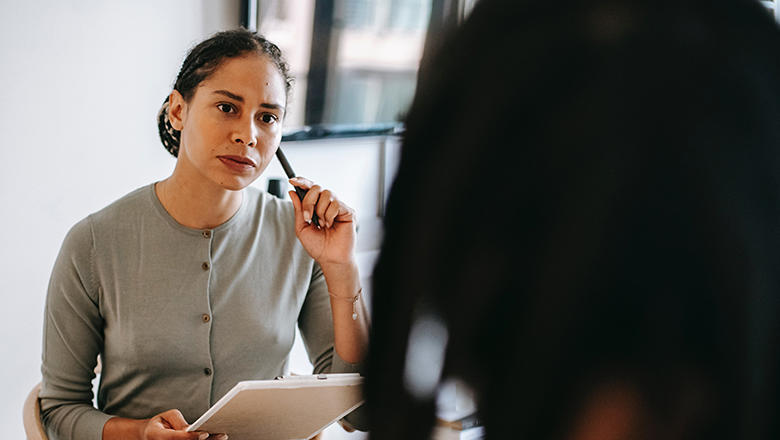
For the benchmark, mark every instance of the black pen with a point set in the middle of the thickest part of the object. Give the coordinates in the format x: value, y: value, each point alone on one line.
x: 291, y: 174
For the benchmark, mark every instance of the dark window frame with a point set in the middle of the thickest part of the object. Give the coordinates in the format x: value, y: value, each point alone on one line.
x: 444, y: 15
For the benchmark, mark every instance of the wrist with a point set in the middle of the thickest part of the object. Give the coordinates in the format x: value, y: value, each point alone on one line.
x: 141, y: 428
x: 337, y: 274
x: 124, y: 428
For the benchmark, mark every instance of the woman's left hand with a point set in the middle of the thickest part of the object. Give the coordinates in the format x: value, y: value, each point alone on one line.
x: 333, y: 243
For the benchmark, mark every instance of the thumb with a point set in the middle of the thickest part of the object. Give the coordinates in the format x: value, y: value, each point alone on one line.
x: 299, y: 222
x: 175, y: 419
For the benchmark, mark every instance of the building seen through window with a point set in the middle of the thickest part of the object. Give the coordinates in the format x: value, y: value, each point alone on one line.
x: 363, y: 68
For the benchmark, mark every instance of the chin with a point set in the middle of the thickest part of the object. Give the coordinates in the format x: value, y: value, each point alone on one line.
x: 236, y: 184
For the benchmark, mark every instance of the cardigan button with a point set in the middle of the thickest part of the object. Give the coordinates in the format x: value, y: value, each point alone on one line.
x: 205, y: 265
x: 207, y: 371
x: 206, y: 234
x: 205, y: 317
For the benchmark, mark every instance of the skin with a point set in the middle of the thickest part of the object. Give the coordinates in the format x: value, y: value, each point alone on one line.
x: 612, y: 412
x: 237, y: 113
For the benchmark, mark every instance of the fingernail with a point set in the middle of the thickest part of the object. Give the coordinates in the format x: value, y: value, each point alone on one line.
x: 307, y: 216
x: 222, y: 437
x: 203, y: 436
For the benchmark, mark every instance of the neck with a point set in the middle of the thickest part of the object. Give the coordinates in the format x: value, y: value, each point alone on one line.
x: 197, y: 203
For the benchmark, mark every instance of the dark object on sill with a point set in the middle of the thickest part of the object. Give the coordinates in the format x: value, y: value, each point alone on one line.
x: 343, y: 131
x: 277, y: 186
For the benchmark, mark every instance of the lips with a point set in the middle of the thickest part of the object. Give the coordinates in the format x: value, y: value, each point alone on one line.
x: 238, y: 163
x: 240, y: 160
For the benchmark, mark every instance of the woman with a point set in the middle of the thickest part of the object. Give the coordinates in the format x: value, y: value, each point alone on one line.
x: 189, y: 285
x: 618, y: 277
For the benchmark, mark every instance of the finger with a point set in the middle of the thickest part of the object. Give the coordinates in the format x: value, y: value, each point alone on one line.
x: 218, y: 437
x: 169, y: 434
x: 331, y: 213
x: 346, y: 426
x: 175, y: 419
x: 299, y: 222
x: 323, y: 203
x: 301, y: 182
x: 309, y: 201
x: 181, y: 435
x: 345, y: 214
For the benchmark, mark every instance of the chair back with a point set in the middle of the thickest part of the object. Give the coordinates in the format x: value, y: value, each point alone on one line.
x: 31, y: 415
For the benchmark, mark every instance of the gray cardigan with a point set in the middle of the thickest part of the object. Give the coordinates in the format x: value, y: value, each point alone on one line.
x: 178, y: 315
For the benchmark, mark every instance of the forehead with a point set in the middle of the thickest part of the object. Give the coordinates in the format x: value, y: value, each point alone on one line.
x: 252, y: 76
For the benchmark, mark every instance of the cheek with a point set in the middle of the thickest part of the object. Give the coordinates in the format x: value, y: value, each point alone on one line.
x: 267, y: 156
x: 204, y: 138
x: 267, y: 152
x: 268, y: 144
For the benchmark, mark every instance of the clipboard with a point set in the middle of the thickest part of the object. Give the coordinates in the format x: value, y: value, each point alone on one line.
x: 285, y: 408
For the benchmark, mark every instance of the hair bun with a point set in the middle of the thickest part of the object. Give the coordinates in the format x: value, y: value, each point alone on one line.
x: 168, y: 135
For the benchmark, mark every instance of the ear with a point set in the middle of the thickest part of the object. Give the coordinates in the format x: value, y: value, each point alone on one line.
x: 177, y: 108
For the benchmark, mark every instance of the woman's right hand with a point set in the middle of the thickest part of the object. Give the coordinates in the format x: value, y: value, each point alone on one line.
x: 170, y: 425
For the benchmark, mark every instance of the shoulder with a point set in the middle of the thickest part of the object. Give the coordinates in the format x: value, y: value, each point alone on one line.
x: 270, y: 207
x: 119, y: 215
x: 80, y: 238
x: 129, y: 206
x: 84, y: 229
x: 273, y: 223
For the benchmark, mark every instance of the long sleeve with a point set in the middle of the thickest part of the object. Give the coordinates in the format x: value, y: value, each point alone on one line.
x: 72, y: 340
x: 316, y: 325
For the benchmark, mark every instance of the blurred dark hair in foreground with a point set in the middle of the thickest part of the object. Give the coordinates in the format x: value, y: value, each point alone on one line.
x: 588, y: 202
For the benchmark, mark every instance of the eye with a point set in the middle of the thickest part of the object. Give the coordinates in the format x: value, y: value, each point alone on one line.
x: 268, y: 118
x: 226, y: 108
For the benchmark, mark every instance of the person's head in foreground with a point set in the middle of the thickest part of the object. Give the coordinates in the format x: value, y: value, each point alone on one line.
x: 585, y: 226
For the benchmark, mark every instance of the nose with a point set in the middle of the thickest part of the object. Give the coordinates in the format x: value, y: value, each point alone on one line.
x: 245, y: 132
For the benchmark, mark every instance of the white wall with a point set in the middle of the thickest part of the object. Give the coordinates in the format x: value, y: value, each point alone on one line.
x: 81, y: 82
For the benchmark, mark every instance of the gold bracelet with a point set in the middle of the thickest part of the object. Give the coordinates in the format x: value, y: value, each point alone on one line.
x: 353, y: 300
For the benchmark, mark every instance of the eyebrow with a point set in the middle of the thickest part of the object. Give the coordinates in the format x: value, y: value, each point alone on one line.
x: 240, y: 98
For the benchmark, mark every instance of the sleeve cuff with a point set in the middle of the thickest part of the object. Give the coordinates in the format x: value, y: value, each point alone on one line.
x: 88, y: 425
x: 339, y: 365
x: 357, y: 419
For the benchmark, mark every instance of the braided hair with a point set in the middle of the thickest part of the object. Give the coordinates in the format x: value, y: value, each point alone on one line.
x: 203, y: 60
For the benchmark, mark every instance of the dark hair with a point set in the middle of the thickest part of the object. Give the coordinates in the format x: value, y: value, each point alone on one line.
x: 204, y: 59
x: 589, y: 193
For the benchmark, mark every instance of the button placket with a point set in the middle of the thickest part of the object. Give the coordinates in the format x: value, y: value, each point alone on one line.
x: 206, y: 266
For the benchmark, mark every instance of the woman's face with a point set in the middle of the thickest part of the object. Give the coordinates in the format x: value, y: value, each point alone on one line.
x: 232, y: 125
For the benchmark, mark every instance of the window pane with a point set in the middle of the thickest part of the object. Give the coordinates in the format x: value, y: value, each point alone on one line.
x: 377, y: 51
x: 376, y: 46
x: 288, y: 23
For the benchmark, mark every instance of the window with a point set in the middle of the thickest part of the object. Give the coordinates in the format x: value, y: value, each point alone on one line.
x: 354, y: 61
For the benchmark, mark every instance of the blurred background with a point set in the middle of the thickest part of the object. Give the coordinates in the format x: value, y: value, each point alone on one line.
x: 81, y: 84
